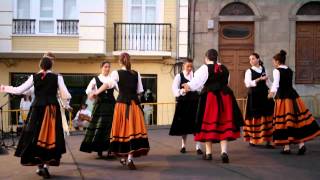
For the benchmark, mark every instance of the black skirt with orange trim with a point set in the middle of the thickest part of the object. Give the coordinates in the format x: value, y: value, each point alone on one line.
x: 42, y: 138
x: 128, y: 132
x: 293, y: 122
x: 258, y: 124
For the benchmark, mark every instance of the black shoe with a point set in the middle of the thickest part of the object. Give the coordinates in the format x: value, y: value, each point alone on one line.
x: 286, y: 152
x: 199, y: 152
x: 207, y: 157
x: 131, y: 165
x: 252, y: 145
x: 224, y: 158
x: 46, y: 174
x: 183, y: 150
x: 302, y: 150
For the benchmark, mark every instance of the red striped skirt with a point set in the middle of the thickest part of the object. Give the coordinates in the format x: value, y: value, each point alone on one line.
x: 218, y: 121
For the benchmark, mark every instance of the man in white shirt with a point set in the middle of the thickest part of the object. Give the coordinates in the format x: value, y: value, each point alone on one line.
x: 82, y: 118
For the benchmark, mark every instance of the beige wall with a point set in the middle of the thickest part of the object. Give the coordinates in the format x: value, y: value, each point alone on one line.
x: 45, y: 43
x: 114, y: 14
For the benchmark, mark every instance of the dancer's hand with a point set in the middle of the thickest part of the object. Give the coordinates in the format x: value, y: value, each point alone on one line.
x: 2, y: 87
x: 186, y: 87
x: 263, y: 78
x: 183, y: 92
x: 69, y: 108
x: 271, y: 95
x: 92, y: 96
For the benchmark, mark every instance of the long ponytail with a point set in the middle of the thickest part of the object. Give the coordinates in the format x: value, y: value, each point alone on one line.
x: 125, y: 60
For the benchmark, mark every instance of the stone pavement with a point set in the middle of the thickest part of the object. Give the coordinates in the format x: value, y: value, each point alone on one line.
x: 165, y: 162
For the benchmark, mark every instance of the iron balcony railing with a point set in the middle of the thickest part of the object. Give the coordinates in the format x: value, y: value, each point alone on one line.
x: 23, y: 26
x: 142, y: 36
x: 67, y: 26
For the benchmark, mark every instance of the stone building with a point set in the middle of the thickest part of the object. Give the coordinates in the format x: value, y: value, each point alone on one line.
x: 239, y: 27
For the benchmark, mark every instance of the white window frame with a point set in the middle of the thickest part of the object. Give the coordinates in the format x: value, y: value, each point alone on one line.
x: 53, y: 18
x: 159, y: 11
x: 35, y: 14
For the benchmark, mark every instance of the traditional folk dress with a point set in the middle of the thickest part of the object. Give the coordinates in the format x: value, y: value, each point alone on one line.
x: 97, y: 136
x: 293, y: 122
x: 184, y: 119
x: 128, y: 133
x: 218, y: 116
x: 258, y: 126
x: 42, y: 139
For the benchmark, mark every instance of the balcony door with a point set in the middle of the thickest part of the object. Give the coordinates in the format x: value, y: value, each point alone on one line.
x: 142, y: 33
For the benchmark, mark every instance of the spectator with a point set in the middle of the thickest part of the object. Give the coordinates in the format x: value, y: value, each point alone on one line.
x: 82, y: 118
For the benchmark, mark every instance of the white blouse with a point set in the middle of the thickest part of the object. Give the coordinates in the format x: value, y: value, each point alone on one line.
x: 276, y: 78
x: 115, y: 80
x: 64, y: 93
x: 200, y: 78
x: 176, y: 83
x: 92, y: 86
x: 248, y: 77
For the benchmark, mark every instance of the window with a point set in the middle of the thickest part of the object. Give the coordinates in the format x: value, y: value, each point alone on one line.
x: 236, y: 9
x: 70, y: 9
x: 143, y: 11
x: 23, y: 9
x: 46, y: 8
x: 46, y: 26
x: 236, y: 31
x: 46, y: 20
x: 45, y: 17
x: 310, y: 8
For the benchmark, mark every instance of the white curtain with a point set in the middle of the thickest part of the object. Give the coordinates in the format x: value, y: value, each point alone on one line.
x: 70, y: 9
x: 23, y: 9
x: 46, y: 8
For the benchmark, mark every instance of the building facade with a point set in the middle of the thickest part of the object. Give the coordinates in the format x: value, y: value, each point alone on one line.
x: 239, y: 27
x: 83, y: 33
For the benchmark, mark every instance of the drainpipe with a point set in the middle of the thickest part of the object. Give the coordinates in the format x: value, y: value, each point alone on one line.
x: 177, y: 28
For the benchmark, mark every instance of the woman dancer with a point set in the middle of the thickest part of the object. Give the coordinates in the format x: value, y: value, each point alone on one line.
x: 293, y: 122
x: 98, y: 132
x: 186, y: 109
x: 258, y: 122
x: 128, y: 134
x: 42, y: 140
x: 218, y: 115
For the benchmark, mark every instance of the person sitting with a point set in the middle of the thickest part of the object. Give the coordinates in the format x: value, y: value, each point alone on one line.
x: 82, y: 118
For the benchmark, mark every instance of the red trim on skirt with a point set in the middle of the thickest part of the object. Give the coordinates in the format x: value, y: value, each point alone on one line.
x: 218, y: 122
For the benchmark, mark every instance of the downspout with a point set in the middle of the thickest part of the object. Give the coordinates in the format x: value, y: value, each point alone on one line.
x: 194, y: 27
x: 177, y: 29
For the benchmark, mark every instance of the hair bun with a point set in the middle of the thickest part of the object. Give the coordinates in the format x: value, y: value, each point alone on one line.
x: 283, y: 52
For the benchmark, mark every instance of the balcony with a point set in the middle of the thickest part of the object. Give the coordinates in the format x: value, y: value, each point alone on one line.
x: 152, y: 39
x: 23, y: 26
x: 67, y: 27
x: 28, y: 27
